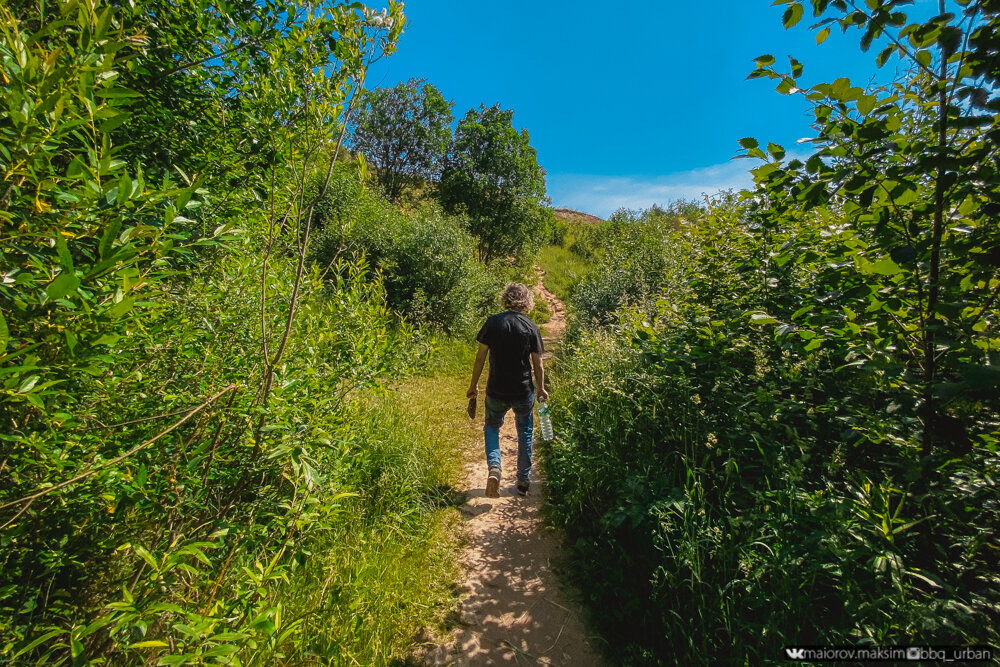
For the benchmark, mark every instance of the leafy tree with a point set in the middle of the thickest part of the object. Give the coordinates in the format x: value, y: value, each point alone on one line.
x: 493, y: 176
x: 404, y: 131
x: 800, y: 446
x: 106, y: 535
x: 911, y: 171
x: 426, y: 260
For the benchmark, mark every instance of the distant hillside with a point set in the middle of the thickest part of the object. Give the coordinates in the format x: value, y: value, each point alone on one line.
x: 569, y: 215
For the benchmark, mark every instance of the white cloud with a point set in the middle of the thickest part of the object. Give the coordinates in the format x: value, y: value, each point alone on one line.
x: 603, y: 195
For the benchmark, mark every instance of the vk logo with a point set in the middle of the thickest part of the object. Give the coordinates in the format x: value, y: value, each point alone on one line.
x: 796, y: 653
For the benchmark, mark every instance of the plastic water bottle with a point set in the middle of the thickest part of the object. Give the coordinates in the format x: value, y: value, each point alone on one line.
x: 545, y: 420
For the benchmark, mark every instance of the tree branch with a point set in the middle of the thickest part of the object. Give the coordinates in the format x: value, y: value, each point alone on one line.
x: 118, y: 459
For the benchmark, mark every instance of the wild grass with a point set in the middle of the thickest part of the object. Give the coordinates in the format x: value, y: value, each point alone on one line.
x: 388, y: 575
x: 540, y: 314
x: 563, y: 270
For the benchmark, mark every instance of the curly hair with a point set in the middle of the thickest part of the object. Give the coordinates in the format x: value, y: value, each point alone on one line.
x: 517, y: 297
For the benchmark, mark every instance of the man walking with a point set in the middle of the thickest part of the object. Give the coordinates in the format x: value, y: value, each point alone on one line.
x: 514, y: 345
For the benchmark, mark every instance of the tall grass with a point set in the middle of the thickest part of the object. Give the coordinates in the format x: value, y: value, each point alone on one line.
x: 387, y: 573
x: 563, y: 270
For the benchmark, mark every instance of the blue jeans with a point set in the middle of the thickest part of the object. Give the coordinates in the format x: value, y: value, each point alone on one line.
x: 524, y: 420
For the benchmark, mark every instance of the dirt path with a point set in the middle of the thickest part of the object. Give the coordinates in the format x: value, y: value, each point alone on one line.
x: 553, y: 330
x: 514, y: 611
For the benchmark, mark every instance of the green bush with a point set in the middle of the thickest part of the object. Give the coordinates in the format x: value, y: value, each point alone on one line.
x: 732, y: 485
x: 556, y: 231
x: 426, y: 260
x: 190, y: 475
x: 636, y: 259
x: 589, y: 241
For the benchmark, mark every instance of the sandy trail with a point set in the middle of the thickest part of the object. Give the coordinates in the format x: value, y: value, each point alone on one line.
x: 514, y: 611
x: 553, y: 330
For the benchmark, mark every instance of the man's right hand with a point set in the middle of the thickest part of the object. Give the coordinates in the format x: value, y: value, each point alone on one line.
x: 543, y: 395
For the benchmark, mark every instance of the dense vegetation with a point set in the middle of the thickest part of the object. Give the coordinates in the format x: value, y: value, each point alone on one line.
x: 487, y: 173
x: 200, y: 312
x: 224, y: 351
x: 492, y: 175
x: 781, y: 412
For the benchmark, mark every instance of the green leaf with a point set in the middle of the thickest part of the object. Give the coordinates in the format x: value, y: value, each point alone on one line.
x: 109, y: 236
x: 151, y: 643
x: 885, y: 267
x: 761, y: 318
x: 264, y: 626
x: 97, y: 625
x: 41, y: 640
x: 796, y: 67
x: 114, y: 122
x: 222, y: 649
x: 122, y: 307
x: 64, y: 283
x: 822, y: 35
x: 748, y: 142
x: 883, y: 55
x: 117, y: 93
x: 4, y: 334
x: 28, y: 384
x: 866, y: 103
x: 107, y: 339
x: 792, y: 15
x: 143, y: 553
x: 124, y: 188
x: 62, y: 250
x: 802, y: 311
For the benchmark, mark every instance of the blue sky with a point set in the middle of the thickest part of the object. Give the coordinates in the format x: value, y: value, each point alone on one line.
x: 627, y: 104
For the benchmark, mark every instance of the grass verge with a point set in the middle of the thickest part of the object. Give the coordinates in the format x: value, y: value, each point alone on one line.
x: 563, y: 270
x: 385, y: 579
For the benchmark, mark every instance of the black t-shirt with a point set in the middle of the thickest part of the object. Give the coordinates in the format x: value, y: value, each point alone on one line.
x: 512, y: 338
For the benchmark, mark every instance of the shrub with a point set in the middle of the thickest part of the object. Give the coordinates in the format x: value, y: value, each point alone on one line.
x: 427, y: 259
x: 733, y: 485
x: 638, y: 259
x: 556, y: 231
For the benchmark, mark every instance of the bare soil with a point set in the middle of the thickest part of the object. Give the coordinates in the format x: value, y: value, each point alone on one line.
x: 569, y: 215
x: 553, y: 330
x: 515, y: 610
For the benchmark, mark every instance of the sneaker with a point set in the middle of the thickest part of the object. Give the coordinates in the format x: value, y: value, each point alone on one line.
x: 522, y: 487
x: 493, y: 483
